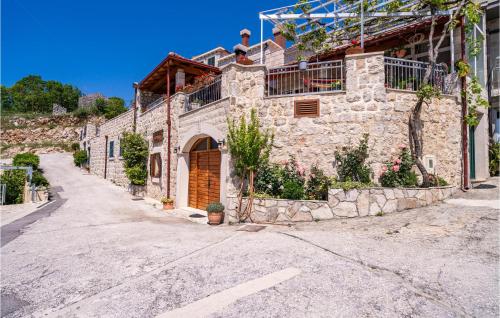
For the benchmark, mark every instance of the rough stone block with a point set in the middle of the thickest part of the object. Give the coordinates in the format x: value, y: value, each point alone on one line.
x: 352, y: 195
x: 389, y: 194
x: 363, y: 203
x: 390, y: 206
x: 406, y: 203
x: 374, y: 208
x: 347, y: 209
x: 302, y: 216
x: 322, y: 213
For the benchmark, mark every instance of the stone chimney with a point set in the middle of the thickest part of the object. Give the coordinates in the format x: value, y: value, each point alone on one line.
x: 245, y: 37
x: 279, y: 38
x: 240, y: 52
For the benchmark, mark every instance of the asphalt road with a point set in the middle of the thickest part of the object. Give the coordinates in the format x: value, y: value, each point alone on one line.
x: 100, y: 254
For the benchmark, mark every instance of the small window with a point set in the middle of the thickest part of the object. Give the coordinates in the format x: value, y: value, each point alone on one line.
x: 111, y: 149
x: 155, y: 165
x: 120, y: 154
x: 85, y: 131
x: 97, y: 131
x: 158, y: 137
x: 306, y: 108
x: 211, y: 61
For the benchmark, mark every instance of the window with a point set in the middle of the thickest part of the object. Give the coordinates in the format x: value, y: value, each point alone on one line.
x: 111, y: 149
x: 158, y: 138
x: 97, y: 131
x: 211, y: 61
x: 120, y: 151
x: 85, y: 131
x: 307, y: 108
x: 155, y: 165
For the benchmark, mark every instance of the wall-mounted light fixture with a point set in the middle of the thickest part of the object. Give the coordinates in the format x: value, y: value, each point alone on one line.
x: 177, y: 149
x: 221, y: 142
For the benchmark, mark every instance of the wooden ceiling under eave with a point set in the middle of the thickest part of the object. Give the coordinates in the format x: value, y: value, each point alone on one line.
x: 156, y: 80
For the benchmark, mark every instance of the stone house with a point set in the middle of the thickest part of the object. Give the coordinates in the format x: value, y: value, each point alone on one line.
x: 313, y: 113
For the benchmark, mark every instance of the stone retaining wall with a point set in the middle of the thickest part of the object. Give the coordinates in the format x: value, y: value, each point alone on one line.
x: 351, y: 203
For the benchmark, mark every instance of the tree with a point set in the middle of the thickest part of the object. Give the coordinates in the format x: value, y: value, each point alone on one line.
x: 33, y: 94
x: 318, y: 40
x: 115, y: 106
x: 249, y: 148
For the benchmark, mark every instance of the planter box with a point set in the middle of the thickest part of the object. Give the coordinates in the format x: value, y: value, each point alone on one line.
x: 341, y: 204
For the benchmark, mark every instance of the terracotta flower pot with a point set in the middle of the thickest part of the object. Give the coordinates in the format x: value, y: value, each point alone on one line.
x: 400, y: 53
x: 168, y: 206
x: 215, y: 218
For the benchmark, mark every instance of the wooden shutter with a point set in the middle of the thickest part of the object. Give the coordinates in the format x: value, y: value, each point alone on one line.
x: 307, y: 108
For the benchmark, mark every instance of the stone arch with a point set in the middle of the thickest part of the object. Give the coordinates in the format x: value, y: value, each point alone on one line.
x: 201, y: 130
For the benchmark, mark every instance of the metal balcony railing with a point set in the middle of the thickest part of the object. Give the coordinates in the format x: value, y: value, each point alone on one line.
x: 315, y: 78
x: 408, y: 75
x: 205, y: 95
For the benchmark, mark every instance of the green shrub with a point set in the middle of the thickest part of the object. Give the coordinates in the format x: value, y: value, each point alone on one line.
x: 349, y: 185
x: 14, y: 181
x: 317, y: 184
x: 269, y: 180
x: 38, y: 179
x: 85, y: 112
x: 494, y: 163
x: 215, y: 207
x: 135, y: 155
x: 293, y: 190
x: 137, y: 175
x: 351, y: 164
x: 75, y: 146
x: 80, y: 157
x: 436, y: 181
x: 398, y: 173
x: 26, y: 159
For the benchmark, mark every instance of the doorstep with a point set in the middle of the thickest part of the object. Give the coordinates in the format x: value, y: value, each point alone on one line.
x: 191, y: 214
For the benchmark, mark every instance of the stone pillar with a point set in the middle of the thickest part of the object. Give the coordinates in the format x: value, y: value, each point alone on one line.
x: 365, y: 80
x: 180, y: 78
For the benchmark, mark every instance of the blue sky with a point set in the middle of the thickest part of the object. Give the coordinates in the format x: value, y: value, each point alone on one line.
x: 104, y: 46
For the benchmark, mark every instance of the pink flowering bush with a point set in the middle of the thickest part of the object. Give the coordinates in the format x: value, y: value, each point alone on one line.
x: 398, y: 173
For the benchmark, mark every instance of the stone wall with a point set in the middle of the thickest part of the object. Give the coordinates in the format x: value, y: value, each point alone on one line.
x: 348, y: 204
x: 113, y: 130
x: 149, y: 122
x: 58, y: 110
x: 89, y: 100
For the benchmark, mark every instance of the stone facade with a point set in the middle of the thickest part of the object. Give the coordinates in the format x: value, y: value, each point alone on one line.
x: 341, y: 204
x: 365, y: 106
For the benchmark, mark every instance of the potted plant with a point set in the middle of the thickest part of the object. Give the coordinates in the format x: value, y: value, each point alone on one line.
x: 215, y: 211
x: 302, y: 62
x: 168, y: 203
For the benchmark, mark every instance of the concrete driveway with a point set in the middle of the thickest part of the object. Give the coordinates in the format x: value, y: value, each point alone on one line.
x: 97, y: 253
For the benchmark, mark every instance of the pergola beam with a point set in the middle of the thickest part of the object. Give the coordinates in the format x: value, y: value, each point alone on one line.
x: 333, y: 15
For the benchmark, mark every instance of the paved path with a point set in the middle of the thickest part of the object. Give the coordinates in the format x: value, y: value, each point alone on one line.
x: 100, y: 254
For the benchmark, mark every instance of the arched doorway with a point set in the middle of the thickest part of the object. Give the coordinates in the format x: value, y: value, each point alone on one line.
x: 204, y: 173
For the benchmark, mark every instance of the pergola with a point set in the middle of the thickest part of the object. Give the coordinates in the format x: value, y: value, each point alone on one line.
x: 333, y: 15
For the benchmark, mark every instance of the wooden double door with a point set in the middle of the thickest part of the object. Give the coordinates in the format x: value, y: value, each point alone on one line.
x: 204, y: 173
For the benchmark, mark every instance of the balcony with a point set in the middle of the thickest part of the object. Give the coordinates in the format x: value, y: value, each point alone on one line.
x: 408, y: 75
x: 318, y: 77
x: 208, y: 94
